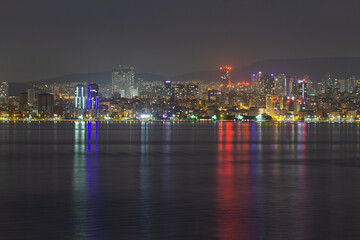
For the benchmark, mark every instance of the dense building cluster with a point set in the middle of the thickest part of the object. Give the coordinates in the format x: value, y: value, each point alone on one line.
x: 263, y: 97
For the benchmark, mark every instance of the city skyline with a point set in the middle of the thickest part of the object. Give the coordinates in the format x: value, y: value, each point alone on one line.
x: 266, y: 97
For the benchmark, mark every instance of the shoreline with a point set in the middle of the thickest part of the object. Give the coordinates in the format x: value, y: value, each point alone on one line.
x: 178, y: 121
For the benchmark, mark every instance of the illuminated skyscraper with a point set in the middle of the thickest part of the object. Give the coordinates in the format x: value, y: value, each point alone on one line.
x: 302, y: 89
x: 93, y: 96
x: 167, y: 88
x: 255, y: 81
x: 80, y: 97
x: 280, y: 81
x: 267, y: 84
x: 225, y: 77
x: 273, y: 104
x: 167, y: 84
x: 123, y: 81
x: 4, y: 89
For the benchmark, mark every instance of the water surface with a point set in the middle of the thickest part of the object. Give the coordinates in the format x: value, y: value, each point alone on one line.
x: 92, y: 180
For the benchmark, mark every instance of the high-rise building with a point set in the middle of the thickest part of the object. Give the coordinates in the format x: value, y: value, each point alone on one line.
x: 255, y: 81
x: 31, y: 97
x: 80, y: 97
x: 23, y: 101
x: 46, y: 104
x: 93, y: 96
x: 342, y: 83
x: 167, y: 88
x: 329, y: 81
x: 4, y: 89
x: 273, y: 104
x: 134, y: 92
x: 267, y: 84
x: 280, y: 84
x: 225, y: 77
x: 346, y: 85
x: 123, y: 81
x: 179, y: 91
x: 301, y: 88
x: 192, y: 91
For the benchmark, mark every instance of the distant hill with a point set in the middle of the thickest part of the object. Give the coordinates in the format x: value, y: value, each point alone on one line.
x: 341, y: 67
x: 96, y: 77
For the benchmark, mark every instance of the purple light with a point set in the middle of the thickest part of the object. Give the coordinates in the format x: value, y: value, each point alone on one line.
x: 272, y: 75
x: 254, y: 75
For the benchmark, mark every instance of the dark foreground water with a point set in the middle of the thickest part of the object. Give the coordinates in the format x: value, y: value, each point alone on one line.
x: 179, y: 181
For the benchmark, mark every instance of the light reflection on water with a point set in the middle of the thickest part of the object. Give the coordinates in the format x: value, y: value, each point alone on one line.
x: 91, y: 180
x: 86, y: 181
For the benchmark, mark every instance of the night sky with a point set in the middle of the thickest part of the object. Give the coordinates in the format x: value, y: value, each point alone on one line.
x: 42, y: 38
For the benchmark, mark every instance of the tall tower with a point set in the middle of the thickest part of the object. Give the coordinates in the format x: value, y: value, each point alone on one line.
x: 93, y: 96
x: 302, y: 89
x: 225, y: 77
x: 123, y: 81
x: 80, y: 97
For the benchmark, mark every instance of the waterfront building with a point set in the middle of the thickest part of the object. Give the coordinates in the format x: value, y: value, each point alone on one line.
x: 80, y: 97
x: 273, y: 104
x: 93, y: 96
